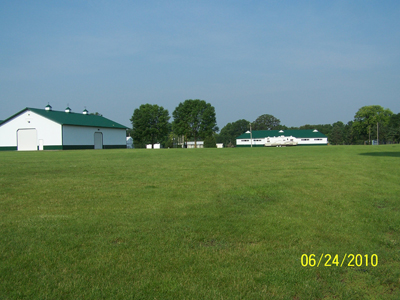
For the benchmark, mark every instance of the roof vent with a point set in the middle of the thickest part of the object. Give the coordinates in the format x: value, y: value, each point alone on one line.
x: 85, y: 112
x: 48, y: 107
x: 315, y: 130
x: 68, y: 110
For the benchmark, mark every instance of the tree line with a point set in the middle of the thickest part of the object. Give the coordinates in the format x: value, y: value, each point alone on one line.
x: 370, y: 123
x: 195, y: 120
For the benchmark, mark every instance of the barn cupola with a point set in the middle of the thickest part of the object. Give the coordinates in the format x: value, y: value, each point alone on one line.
x: 67, y: 110
x: 48, y: 107
x: 85, y: 112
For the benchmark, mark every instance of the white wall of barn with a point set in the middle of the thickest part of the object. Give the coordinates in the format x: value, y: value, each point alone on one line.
x: 300, y: 141
x: 80, y: 135
x: 312, y: 141
x: 246, y: 142
x: 47, y: 130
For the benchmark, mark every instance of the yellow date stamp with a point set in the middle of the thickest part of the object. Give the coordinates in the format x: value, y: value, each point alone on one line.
x: 347, y: 260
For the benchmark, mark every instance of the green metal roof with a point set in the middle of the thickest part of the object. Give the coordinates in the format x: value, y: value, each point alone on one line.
x: 301, y: 133
x: 76, y: 119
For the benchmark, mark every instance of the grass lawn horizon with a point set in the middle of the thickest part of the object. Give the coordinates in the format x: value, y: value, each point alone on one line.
x: 201, y: 223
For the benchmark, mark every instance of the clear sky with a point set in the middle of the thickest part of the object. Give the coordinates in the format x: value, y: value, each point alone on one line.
x: 305, y: 62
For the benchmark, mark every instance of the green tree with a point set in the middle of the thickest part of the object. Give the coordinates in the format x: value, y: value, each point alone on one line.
x: 194, y: 119
x: 350, y: 136
x: 394, y: 128
x: 210, y: 142
x: 167, y: 141
x: 266, y: 122
x: 232, y: 130
x: 336, y: 137
x: 367, y: 118
x: 149, y: 125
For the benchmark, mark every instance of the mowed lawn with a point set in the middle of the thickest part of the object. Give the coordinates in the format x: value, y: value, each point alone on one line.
x: 201, y: 223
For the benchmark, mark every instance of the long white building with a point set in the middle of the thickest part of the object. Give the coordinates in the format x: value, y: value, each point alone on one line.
x: 258, y: 138
x: 46, y: 129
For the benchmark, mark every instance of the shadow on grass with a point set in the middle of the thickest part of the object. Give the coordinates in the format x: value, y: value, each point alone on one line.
x: 391, y: 154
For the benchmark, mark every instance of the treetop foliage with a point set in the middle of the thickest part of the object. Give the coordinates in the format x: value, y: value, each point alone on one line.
x: 194, y: 119
x: 150, y: 124
x: 368, y: 116
x: 266, y: 122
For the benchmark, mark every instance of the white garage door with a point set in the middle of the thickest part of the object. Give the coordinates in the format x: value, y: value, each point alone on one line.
x: 98, y: 140
x: 27, y: 139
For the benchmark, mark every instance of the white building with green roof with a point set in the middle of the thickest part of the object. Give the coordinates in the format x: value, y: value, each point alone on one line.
x: 46, y: 129
x: 258, y: 138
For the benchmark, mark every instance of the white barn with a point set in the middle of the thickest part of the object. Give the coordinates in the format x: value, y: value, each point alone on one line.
x: 45, y: 129
x: 258, y: 138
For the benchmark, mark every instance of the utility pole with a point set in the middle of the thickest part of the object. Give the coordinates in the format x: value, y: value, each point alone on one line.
x: 377, y: 132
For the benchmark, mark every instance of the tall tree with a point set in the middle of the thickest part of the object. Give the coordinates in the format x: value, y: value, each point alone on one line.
x: 367, y: 118
x: 394, y: 128
x: 336, y: 137
x: 232, y: 130
x: 149, y: 124
x: 194, y: 119
x: 266, y: 122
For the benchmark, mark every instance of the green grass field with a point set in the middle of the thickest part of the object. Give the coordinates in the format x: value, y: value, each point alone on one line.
x: 201, y: 223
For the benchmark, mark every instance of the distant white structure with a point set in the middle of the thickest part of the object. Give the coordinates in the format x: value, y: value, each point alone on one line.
x: 129, y: 142
x: 200, y: 144
x: 220, y: 145
x: 156, y: 146
x: 269, y: 138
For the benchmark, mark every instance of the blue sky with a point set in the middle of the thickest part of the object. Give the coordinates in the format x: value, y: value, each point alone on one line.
x: 305, y: 62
